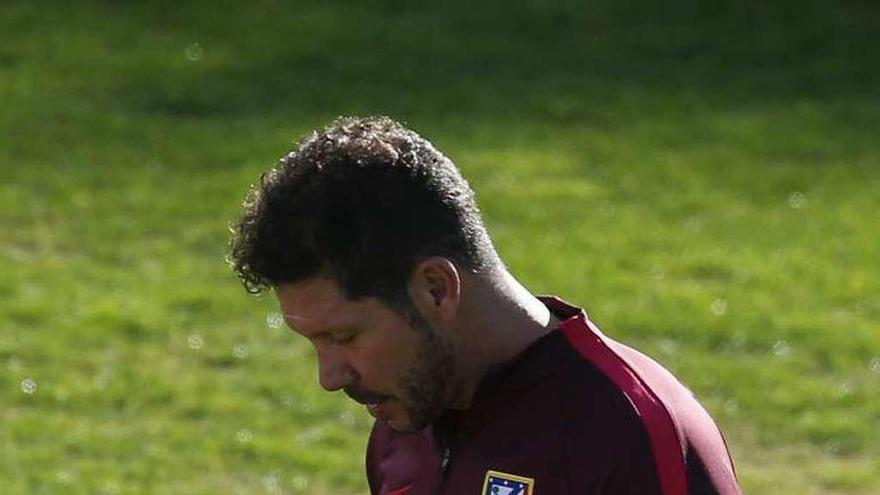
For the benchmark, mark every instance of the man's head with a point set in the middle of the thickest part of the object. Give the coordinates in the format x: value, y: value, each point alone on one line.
x: 361, y: 202
x: 401, y: 365
x: 369, y: 219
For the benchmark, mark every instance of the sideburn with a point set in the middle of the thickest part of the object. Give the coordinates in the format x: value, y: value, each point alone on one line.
x: 430, y: 382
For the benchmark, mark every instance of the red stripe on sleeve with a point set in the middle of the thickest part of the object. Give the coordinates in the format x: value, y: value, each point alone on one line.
x: 401, y: 491
x: 668, y: 456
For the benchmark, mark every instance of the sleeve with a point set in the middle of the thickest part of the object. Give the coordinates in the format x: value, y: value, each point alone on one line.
x: 699, y: 482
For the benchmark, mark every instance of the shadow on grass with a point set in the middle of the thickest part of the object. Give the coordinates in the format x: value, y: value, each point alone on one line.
x: 564, y: 63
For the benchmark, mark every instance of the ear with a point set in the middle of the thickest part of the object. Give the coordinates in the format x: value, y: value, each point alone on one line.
x: 435, y: 289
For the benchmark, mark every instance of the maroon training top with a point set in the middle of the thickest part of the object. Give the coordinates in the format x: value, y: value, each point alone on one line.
x: 574, y: 413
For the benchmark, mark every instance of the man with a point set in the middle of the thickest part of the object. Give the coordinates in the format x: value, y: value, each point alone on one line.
x: 373, y: 244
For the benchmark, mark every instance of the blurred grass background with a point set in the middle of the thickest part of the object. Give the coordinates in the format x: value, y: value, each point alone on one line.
x: 704, y: 177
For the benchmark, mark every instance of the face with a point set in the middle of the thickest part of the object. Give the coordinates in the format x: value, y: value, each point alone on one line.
x: 395, y: 364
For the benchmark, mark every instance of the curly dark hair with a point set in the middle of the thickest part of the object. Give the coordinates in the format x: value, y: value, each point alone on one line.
x: 363, y: 202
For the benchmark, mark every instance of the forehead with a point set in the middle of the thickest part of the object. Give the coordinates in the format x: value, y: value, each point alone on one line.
x: 316, y: 304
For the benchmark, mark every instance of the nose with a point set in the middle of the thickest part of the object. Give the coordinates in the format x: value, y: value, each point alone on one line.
x: 334, y: 373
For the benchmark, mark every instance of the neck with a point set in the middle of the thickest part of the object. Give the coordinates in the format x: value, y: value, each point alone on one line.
x: 502, y: 319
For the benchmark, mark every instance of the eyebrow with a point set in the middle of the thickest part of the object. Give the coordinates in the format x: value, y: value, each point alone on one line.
x: 335, y: 328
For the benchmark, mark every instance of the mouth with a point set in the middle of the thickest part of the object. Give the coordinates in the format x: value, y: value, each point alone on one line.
x: 375, y: 408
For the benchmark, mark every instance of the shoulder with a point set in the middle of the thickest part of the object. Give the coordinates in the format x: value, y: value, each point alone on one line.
x: 607, y: 445
x: 654, y: 422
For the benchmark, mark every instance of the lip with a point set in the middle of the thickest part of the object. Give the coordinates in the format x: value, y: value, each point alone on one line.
x: 376, y: 410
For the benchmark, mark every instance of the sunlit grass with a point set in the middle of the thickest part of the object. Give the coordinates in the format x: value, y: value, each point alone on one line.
x: 705, y: 185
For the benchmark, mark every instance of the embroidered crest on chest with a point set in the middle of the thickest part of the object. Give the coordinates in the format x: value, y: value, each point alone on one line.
x: 498, y: 483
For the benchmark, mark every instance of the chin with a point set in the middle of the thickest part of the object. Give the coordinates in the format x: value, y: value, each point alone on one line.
x: 403, y: 425
x: 407, y: 424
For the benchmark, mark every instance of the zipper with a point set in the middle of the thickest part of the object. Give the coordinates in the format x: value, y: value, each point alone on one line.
x: 444, y: 466
x: 445, y: 437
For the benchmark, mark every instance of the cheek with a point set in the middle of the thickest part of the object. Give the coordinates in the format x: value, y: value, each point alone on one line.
x: 384, y: 358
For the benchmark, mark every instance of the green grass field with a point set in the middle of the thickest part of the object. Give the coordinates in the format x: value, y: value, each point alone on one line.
x: 704, y: 177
